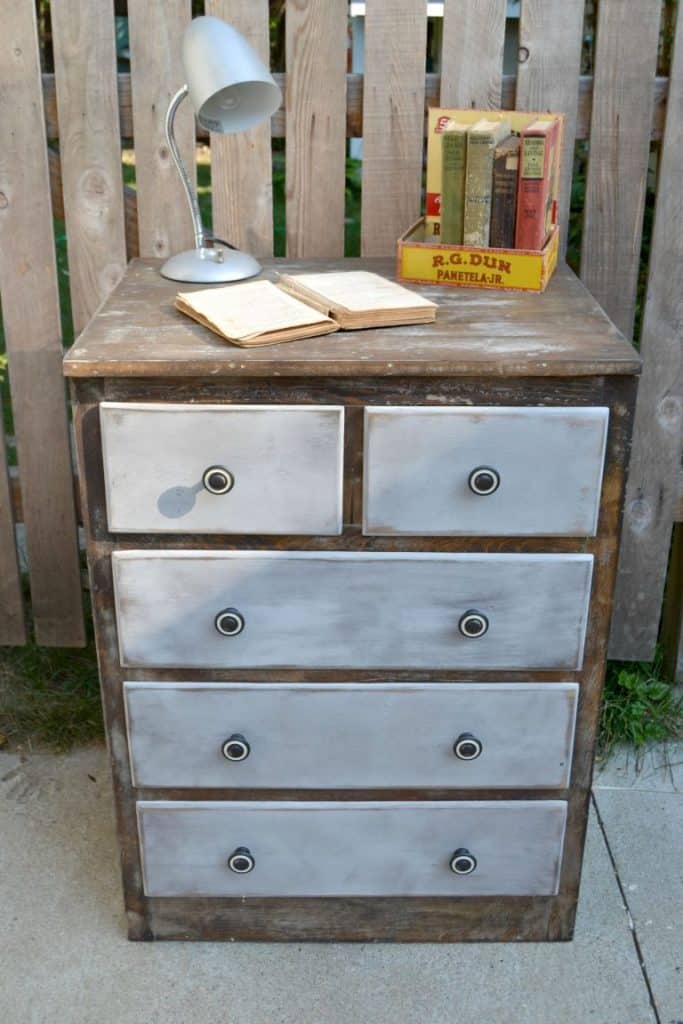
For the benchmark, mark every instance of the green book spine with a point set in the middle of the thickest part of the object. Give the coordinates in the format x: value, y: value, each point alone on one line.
x: 454, y: 162
x: 478, y: 181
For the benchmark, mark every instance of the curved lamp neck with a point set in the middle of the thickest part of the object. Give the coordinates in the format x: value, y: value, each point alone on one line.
x: 199, y: 237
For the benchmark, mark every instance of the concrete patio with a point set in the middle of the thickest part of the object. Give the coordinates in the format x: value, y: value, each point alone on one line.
x: 64, y: 956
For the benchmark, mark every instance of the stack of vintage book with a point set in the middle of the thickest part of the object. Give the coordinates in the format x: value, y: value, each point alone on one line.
x: 491, y: 211
x: 498, y: 186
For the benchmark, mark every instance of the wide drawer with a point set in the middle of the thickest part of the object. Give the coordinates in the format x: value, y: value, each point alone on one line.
x: 483, y: 471
x: 350, y: 609
x: 319, y: 736
x: 223, y: 468
x: 351, y: 849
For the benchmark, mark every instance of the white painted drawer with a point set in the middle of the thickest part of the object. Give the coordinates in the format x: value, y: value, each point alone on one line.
x: 320, y: 736
x: 427, y: 470
x: 284, y: 468
x: 344, y: 609
x: 351, y: 849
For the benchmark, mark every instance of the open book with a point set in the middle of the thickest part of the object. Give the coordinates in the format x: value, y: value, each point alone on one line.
x: 358, y: 299
x: 254, y: 313
x: 303, y: 305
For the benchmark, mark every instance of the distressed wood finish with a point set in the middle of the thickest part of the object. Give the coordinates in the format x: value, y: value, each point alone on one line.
x: 564, y: 334
x: 549, y: 64
x: 316, y: 32
x: 241, y: 164
x: 625, y: 64
x: 12, y: 622
x: 352, y: 849
x: 597, y: 373
x: 346, y: 609
x: 472, y: 54
x: 351, y: 735
x: 90, y: 150
x: 286, y: 464
x: 419, y: 462
x: 393, y: 129
x: 654, y: 475
x: 28, y: 286
x: 156, y: 29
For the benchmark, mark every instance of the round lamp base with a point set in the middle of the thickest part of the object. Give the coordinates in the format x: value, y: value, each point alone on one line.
x: 210, y: 266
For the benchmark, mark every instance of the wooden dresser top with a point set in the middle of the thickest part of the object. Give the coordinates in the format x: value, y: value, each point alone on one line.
x: 561, y: 333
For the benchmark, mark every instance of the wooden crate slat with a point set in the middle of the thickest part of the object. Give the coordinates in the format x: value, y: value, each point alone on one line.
x: 623, y: 88
x: 550, y: 36
x: 393, y: 122
x: 28, y: 286
x: 156, y: 30
x: 90, y: 150
x: 472, y: 53
x: 316, y: 35
x: 241, y: 164
x: 12, y: 622
x: 654, y: 474
x: 354, y: 99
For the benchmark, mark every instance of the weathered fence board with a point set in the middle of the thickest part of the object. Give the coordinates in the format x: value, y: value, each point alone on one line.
x: 654, y: 474
x: 549, y: 63
x: 241, y: 164
x: 28, y: 286
x: 156, y: 30
x: 472, y: 53
x: 625, y: 64
x: 393, y: 122
x: 316, y: 126
x: 90, y: 150
x: 354, y: 105
x: 12, y: 622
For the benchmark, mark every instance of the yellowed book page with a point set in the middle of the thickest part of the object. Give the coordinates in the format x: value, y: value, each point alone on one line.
x: 357, y: 291
x: 245, y: 311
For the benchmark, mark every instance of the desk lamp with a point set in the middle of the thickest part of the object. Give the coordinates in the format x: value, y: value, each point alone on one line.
x: 231, y: 90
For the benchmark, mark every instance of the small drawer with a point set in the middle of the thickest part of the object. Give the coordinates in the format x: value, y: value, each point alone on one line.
x: 288, y: 609
x: 325, y: 736
x: 223, y: 468
x: 351, y: 849
x: 483, y: 471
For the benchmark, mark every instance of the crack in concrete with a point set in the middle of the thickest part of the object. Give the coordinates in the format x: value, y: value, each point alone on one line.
x: 629, y: 915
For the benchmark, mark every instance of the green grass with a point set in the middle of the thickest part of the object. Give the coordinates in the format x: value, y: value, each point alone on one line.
x: 639, y: 706
x: 49, y: 697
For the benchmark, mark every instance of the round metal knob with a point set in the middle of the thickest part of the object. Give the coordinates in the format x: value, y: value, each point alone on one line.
x: 473, y: 624
x: 241, y: 861
x: 229, y: 622
x: 236, y: 748
x: 467, y: 747
x: 462, y: 862
x: 218, y: 480
x: 484, y: 480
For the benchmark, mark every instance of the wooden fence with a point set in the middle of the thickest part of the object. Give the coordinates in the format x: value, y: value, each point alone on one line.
x: 89, y: 108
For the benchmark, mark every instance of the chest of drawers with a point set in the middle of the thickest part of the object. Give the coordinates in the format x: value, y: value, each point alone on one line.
x: 351, y: 600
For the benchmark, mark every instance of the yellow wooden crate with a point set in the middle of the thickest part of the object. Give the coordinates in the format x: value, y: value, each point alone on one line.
x: 424, y: 261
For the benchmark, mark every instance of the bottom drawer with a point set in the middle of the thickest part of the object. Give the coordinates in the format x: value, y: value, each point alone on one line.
x: 447, y: 848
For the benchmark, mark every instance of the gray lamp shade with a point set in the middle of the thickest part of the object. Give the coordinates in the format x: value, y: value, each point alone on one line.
x: 230, y: 88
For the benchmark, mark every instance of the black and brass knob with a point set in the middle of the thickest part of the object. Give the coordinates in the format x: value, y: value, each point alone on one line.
x: 473, y: 624
x: 218, y: 480
x: 484, y: 480
x: 462, y: 862
x: 241, y: 861
x: 229, y: 622
x: 236, y: 748
x: 467, y: 747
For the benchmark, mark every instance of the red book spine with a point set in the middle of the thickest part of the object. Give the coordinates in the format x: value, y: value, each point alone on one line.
x: 538, y: 159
